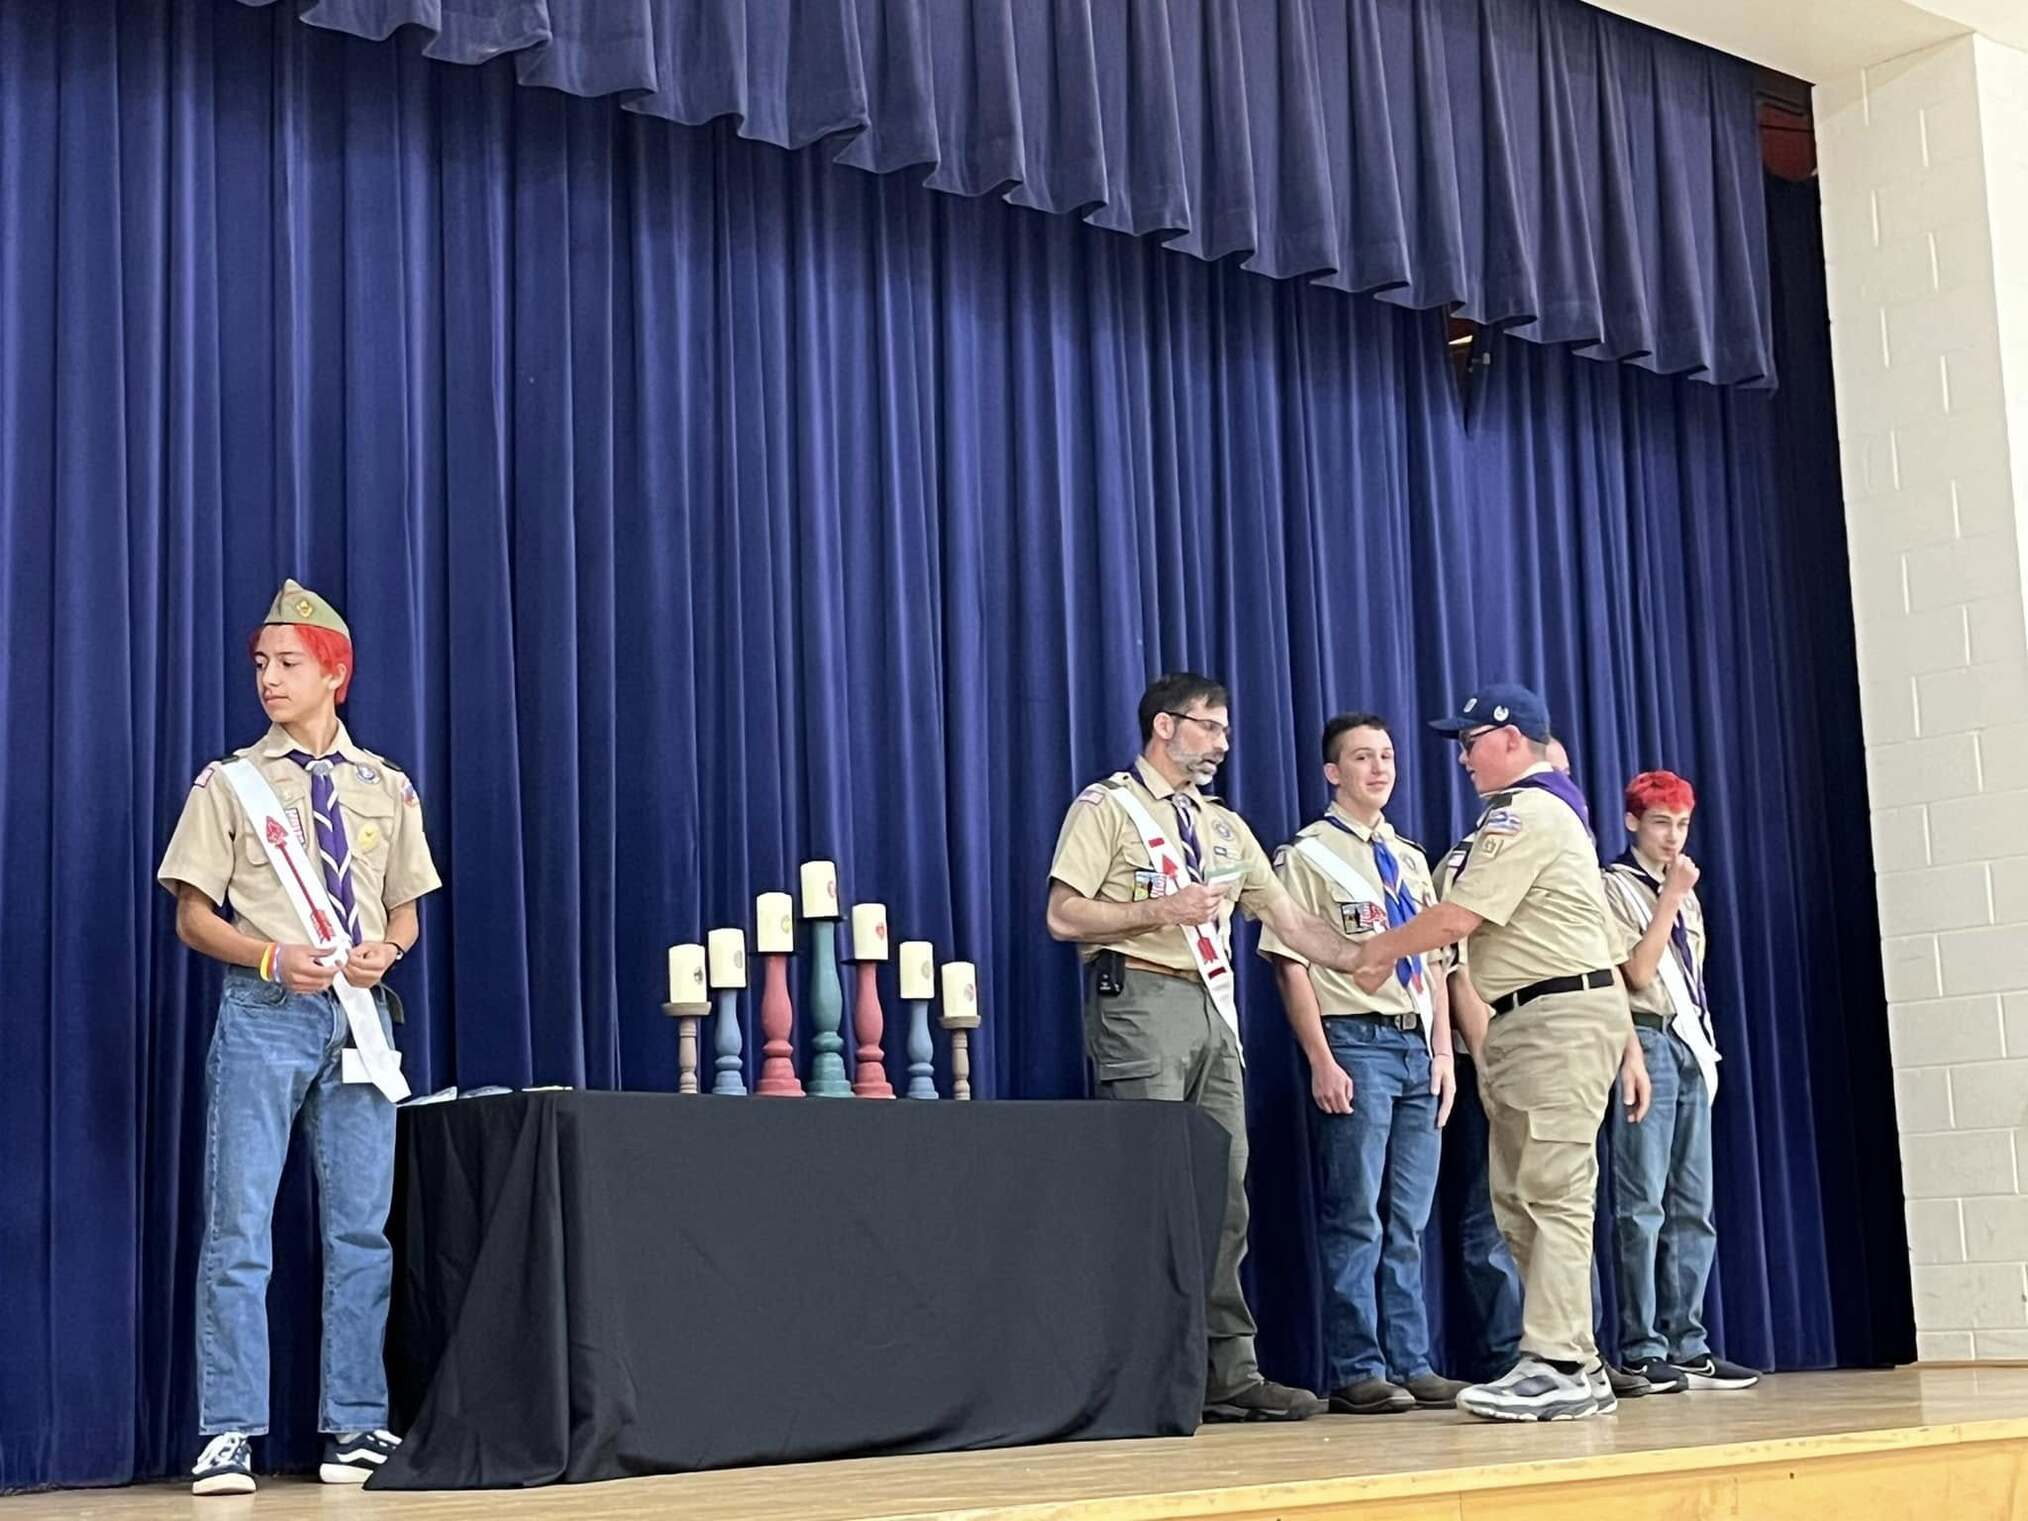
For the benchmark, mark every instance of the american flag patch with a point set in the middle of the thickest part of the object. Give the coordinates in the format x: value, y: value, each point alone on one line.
x: 1094, y: 795
x: 1362, y: 918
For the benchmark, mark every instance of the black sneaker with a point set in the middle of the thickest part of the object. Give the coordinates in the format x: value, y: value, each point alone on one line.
x: 1708, y: 1372
x: 1628, y: 1383
x: 1662, y: 1377
x: 1265, y: 1401
x: 356, y: 1456
x: 1371, y: 1396
x: 225, y: 1467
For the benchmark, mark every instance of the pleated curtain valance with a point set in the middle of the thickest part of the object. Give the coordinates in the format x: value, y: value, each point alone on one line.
x: 1534, y: 165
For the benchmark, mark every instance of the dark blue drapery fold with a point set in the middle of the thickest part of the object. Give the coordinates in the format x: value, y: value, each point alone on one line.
x: 1534, y: 164
x: 698, y: 508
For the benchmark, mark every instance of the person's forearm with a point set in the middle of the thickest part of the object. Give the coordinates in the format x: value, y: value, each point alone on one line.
x: 199, y: 926
x: 1312, y: 937
x: 1299, y: 1001
x: 1469, y: 1014
x: 1074, y: 917
x: 1440, y: 1018
x: 1646, y: 958
x: 1438, y: 925
x: 403, y: 927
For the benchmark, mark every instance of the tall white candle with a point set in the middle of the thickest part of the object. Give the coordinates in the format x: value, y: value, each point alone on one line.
x: 961, y: 995
x: 686, y: 976
x: 728, y: 958
x: 869, y: 932
x: 918, y: 970
x: 820, y: 890
x: 774, y: 924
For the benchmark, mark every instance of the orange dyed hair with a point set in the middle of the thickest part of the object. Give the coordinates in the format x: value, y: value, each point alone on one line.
x: 1660, y: 789
x: 329, y: 648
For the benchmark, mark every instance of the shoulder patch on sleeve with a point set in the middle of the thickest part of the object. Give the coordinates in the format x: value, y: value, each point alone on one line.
x: 1500, y: 821
x: 203, y: 778
x: 1095, y: 794
x: 408, y: 793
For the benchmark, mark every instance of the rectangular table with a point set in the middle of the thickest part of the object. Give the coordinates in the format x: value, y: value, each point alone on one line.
x: 596, y: 1285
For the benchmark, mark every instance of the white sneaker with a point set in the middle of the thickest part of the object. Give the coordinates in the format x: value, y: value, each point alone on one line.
x: 225, y: 1467
x: 1532, y: 1391
x: 353, y: 1457
x: 1602, y: 1388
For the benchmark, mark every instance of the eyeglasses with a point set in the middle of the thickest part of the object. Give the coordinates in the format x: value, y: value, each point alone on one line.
x: 1223, y: 731
x: 1466, y: 741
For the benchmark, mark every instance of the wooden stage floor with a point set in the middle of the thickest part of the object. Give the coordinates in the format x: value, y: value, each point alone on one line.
x: 1946, y: 1444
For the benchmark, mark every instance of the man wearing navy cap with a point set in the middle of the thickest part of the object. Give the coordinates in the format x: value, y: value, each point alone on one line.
x: 1528, y: 901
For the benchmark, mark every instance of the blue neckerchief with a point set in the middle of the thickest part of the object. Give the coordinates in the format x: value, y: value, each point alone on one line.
x: 1401, y: 905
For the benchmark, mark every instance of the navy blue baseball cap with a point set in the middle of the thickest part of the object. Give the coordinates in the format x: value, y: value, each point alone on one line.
x: 1503, y: 702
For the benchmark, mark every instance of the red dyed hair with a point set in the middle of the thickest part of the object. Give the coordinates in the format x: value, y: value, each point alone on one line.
x: 327, y: 647
x: 1660, y: 789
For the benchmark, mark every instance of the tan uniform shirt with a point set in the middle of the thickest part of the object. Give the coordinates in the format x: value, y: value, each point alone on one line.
x: 1440, y: 880
x: 1532, y: 876
x: 1654, y: 998
x: 1337, y: 993
x: 1099, y: 854
x: 216, y: 850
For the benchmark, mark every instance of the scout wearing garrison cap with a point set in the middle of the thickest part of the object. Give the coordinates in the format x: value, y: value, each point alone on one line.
x: 1142, y: 882
x: 1529, y: 905
x: 315, y: 848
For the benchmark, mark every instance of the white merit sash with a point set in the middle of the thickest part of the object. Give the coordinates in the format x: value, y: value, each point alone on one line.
x: 369, y: 1059
x: 1687, y: 1024
x: 1348, y: 879
x: 1206, y: 941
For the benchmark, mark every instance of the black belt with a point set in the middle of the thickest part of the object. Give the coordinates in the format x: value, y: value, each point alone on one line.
x: 1652, y: 1021
x: 1548, y: 985
x: 1399, y: 1021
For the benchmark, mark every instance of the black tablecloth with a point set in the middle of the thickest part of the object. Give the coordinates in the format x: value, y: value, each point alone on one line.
x: 594, y: 1285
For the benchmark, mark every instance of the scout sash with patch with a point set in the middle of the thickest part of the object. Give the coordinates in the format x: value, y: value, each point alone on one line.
x: 1677, y: 970
x: 1348, y: 879
x: 369, y: 1059
x: 1207, y: 954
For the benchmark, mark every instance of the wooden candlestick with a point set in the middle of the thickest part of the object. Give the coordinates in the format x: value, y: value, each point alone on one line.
x: 871, y: 1079
x: 686, y: 1017
x: 827, y: 1012
x: 918, y: 986
x: 728, y: 976
x: 778, y: 1022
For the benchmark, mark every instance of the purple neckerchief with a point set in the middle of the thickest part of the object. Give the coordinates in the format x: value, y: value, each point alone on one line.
x: 1679, y: 936
x: 1557, y: 785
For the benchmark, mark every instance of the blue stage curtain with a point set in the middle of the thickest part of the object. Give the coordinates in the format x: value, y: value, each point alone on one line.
x: 700, y: 507
x: 1535, y: 164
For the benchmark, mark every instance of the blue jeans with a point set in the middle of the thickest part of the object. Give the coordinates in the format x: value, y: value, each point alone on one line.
x: 1663, y: 1235
x: 274, y: 1054
x: 1378, y: 1169
x: 1492, y: 1281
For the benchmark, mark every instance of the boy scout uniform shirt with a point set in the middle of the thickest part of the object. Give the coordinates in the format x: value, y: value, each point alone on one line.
x: 1440, y: 881
x: 1100, y: 855
x: 1654, y: 998
x: 217, y: 851
x: 1337, y: 993
x: 1532, y: 875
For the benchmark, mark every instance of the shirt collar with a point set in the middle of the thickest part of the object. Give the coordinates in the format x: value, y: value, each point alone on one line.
x: 1158, y: 786
x: 277, y: 743
x: 1360, y: 831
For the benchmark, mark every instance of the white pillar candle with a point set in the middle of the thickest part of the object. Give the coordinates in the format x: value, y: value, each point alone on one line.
x: 869, y: 932
x: 961, y: 995
x: 774, y: 925
x: 820, y: 890
x: 686, y: 977
x: 918, y: 970
x: 728, y: 958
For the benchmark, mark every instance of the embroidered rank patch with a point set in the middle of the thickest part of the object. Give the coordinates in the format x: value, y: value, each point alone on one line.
x: 1361, y: 918
x: 1501, y: 821
x: 1488, y: 847
x: 1093, y: 795
x: 204, y: 776
x: 1149, y: 883
x: 1223, y: 830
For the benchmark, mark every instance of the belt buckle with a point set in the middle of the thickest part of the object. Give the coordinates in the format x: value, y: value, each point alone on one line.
x: 1407, y: 1022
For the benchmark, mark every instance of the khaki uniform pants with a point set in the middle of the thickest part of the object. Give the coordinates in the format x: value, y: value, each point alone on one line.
x: 1162, y: 1038
x: 1546, y: 1080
